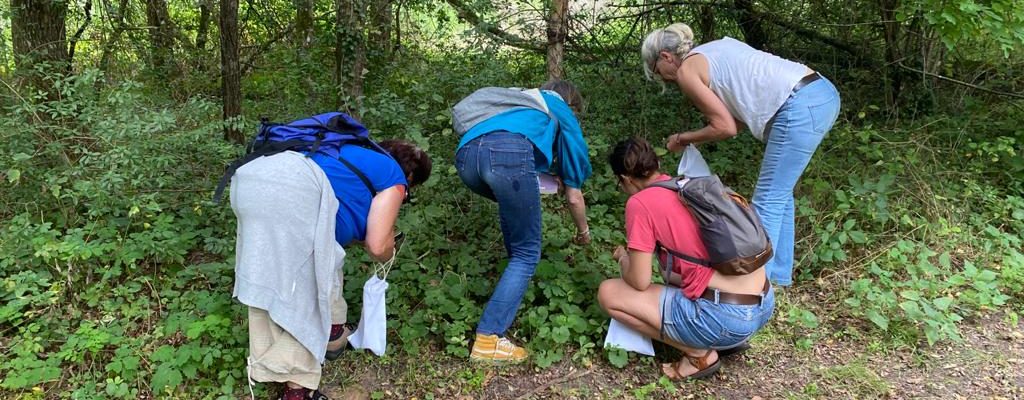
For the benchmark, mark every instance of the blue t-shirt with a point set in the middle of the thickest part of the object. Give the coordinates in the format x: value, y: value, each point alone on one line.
x: 353, y: 197
x: 573, y: 159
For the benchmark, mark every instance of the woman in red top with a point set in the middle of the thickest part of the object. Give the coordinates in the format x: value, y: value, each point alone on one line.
x: 708, y: 311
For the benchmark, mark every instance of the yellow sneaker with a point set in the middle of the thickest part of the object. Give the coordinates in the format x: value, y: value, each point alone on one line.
x: 499, y: 350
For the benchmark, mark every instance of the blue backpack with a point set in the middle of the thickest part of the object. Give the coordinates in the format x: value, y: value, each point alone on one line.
x: 324, y: 133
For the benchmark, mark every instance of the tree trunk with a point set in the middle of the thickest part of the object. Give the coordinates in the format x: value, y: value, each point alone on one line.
x: 750, y: 23
x: 556, y: 38
x: 37, y: 30
x: 707, y: 24
x: 349, y: 55
x: 398, y: 27
x: 161, y: 37
x: 380, y: 30
x: 890, y: 32
x: 303, y: 34
x: 205, y: 16
x: 231, y: 85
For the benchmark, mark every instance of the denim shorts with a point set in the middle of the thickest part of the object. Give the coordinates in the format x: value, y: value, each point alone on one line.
x: 705, y: 324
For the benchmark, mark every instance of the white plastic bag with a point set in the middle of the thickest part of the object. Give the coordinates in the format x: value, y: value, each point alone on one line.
x: 626, y: 338
x: 372, y: 332
x: 692, y: 165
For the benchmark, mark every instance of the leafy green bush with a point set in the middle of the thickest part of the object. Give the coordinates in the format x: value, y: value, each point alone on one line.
x: 117, y: 271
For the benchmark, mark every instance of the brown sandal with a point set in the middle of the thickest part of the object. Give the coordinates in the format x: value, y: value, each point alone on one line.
x: 704, y: 369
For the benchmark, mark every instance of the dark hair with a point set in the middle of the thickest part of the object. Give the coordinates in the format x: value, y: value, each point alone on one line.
x: 414, y: 161
x: 568, y: 91
x: 635, y: 158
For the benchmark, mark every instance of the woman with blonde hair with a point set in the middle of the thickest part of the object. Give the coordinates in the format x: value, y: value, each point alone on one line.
x: 784, y: 104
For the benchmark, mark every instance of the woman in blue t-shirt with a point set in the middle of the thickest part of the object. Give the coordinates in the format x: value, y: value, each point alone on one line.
x: 289, y: 261
x: 499, y: 158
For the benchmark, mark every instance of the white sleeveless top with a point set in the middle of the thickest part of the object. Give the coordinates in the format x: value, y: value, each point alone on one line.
x: 753, y: 84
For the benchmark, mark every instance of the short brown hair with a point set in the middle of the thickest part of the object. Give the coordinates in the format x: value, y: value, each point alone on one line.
x: 568, y: 91
x: 414, y: 161
x: 635, y: 158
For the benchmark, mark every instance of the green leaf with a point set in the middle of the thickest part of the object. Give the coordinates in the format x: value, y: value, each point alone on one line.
x: 849, y: 224
x: 878, y: 319
x: 618, y: 357
x: 910, y: 294
x: 943, y: 303
x: 912, y: 309
x: 166, y: 376
x: 13, y: 175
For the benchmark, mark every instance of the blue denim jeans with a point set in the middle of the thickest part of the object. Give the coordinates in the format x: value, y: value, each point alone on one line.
x: 707, y: 324
x: 500, y: 167
x: 800, y: 124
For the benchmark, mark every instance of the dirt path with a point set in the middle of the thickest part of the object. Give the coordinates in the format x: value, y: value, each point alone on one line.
x: 842, y: 363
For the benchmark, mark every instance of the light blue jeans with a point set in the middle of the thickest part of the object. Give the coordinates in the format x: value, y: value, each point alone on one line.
x: 500, y: 167
x: 707, y: 324
x: 800, y: 124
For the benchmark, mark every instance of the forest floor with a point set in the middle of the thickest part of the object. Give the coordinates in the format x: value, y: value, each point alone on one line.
x: 844, y: 361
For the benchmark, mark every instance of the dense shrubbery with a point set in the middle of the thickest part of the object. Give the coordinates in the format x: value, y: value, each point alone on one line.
x: 117, y: 271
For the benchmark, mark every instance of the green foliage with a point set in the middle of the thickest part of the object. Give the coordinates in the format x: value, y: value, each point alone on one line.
x: 921, y: 255
x: 104, y: 220
x: 116, y: 270
x: 1001, y: 21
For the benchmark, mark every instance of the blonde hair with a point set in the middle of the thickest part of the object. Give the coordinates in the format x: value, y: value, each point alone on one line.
x: 676, y: 39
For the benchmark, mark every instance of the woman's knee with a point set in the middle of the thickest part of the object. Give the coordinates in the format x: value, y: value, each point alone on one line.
x: 609, y: 292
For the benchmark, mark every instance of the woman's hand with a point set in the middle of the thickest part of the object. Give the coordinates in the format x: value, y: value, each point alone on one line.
x: 676, y: 143
x: 619, y: 253
x: 578, y: 211
x: 582, y: 238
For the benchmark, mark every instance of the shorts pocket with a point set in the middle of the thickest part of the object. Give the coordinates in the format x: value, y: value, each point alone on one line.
x: 736, y: 324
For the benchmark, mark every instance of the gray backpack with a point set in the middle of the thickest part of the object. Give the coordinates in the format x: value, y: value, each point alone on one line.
x: 736, y: 241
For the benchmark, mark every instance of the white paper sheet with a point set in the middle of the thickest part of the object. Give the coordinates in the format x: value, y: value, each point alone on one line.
x: 624, y: 337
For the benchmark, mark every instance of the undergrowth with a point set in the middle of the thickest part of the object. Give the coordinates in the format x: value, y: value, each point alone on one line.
x: 117, y: 270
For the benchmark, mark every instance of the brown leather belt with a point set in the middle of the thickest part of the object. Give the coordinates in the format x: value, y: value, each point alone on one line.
x: 736, y: 298
x: 806, y: 80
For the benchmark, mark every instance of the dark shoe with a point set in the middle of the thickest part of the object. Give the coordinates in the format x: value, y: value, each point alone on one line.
x: 302, y: 394
x: 338, y: 333
x: 734, y: 350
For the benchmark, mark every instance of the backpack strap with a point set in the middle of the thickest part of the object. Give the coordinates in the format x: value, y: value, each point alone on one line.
x: 674, y: 184
x: 360, y: 174
x: 699, y: 261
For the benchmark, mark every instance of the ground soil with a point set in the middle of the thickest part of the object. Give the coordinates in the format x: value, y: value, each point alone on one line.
x: 842, y: 359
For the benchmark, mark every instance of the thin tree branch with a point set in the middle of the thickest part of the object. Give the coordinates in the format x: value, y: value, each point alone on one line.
x: 763, y: 16
x: 78, y: 34
x: 959, y: 82
x: 466, y: 14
